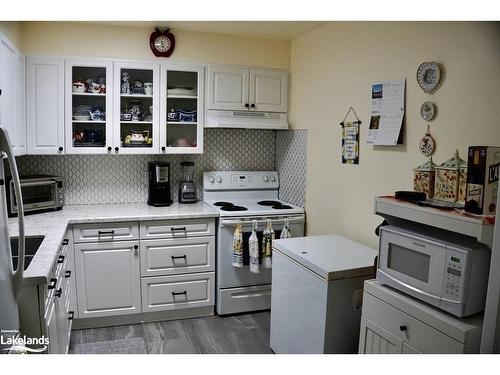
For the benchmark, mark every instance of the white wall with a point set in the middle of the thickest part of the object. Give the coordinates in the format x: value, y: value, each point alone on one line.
x: 332, y: 68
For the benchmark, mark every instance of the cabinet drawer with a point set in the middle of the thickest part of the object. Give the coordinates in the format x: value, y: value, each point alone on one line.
x: 419, y: 335
x: 103, y: 232
x: 177, y: 292
x: 174, y: 256
x: 177, y: 228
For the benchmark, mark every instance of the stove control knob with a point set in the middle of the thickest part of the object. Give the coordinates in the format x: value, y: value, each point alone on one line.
x: 266, y: 179
x: 219, y: 179
x: 272, y: 178
x: 211, y: 180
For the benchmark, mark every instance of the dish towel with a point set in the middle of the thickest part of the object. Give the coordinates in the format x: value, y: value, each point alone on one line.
x: 267, y: 244
x: 238, y: 246
x: 285, y: 232
x: 253, y: 249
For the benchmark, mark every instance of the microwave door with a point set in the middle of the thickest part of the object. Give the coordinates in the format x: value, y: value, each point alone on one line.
x: 37, y: 195
x: 413, y: 263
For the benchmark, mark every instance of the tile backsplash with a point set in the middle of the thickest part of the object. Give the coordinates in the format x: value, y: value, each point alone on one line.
x: 98, y: 179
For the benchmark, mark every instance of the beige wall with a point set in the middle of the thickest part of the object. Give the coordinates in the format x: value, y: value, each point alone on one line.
x: 80, y: 39
x: 332, y: 68
x: 12, y: 30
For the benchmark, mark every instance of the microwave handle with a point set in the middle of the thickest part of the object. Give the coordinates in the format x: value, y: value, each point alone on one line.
x: 408, y: 286
x: 40, y: 183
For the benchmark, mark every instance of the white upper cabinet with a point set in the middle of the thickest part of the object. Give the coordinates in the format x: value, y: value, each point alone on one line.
x: 45, y: 107
x: 89, y: 103
x: 268, y: 90
x: 8, y: 87
x: 181, y: 112
x: 245, y: 88
x: 136, y: 108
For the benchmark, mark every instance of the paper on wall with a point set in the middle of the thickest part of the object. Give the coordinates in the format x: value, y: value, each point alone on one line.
x: 387, y: 112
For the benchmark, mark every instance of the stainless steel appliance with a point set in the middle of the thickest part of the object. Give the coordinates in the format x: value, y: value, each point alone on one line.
x: 187, y: 189
x: 40, y: 193
x: 241, y: 197
x: 10, y: 280
x: 159, y: 184
x: 449, y: 272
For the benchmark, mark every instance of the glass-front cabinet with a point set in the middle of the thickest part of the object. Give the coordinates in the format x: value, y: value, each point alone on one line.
x: 181, y: 112
x: 89, y: 86
x: 136, y: 108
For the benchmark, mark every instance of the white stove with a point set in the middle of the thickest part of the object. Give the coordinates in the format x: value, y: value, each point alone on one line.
x: 242, y: 197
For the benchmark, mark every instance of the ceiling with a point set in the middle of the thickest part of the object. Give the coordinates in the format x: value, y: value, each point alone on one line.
x: 279, y: 30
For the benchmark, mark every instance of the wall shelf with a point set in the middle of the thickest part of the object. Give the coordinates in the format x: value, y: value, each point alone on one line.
x: 136, y: 96
x: 182, y: 97
x: 88, y: 94
x: 182, y: 123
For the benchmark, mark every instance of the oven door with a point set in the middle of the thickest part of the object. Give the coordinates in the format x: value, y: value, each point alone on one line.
x: 412, y: 264
x: 232, y: 277
x: 37, y: 195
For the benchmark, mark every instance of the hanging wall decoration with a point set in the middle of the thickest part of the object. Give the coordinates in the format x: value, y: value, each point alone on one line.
x: 350, y: 138
x: 427, y: 145
x: 430, y: 76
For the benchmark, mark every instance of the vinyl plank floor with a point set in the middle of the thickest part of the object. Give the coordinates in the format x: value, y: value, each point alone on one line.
x: 236, y: 334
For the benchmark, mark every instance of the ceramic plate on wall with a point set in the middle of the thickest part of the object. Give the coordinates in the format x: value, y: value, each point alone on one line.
x: 428, y: 111
x: 429, y: 76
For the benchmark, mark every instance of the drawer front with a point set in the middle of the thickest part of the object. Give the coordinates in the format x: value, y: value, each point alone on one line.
x: 103, y: 232
x: 177, y: 228
x: 174, y: 256
x: 177, y: 292
x: 416, y: 333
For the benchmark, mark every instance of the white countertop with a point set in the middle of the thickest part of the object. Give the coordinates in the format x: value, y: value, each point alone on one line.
x: 332, y: 257
x: 53, y: 225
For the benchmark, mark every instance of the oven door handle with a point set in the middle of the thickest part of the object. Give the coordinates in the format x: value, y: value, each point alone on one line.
x: 249, y: 220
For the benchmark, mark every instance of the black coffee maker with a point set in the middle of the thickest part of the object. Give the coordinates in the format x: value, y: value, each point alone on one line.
x: 159, y: 184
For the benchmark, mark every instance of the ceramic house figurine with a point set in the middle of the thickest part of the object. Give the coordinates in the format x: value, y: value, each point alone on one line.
x: 451, y: 179
x: 423, y: 178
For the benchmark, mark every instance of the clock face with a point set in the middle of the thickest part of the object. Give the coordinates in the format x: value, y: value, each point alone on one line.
x: 162, y: 43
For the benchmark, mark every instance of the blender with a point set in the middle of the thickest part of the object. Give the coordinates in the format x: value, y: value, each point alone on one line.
x: 187, y: 190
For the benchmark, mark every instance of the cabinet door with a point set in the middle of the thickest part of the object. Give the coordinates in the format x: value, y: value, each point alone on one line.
x: 182, y: 109
x: 227, y: 88
x: 8, y: 87
x: 108, y: 278
x: 89, y: 102
x: 375, y: 340
x: 61, y: 310
x: 268, y: 90
x: 136, y: 108
x: 45, y: 90
x: 51, y: 329
x: 21, y: 105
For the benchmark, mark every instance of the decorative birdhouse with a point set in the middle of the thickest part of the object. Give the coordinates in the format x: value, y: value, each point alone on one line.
x: 451, y: 180
x: 423, y: 178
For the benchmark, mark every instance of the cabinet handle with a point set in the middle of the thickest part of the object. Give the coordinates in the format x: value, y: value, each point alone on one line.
x: 403, y: 328
x: 58, y: 293
x: 179, y: 293
x: 183, y: 229
x: 247, y: 105
x: 52, y: 284
x: 109, y: 148
x: 60, y: 259
x: 71, y: 315
x: 179, y: 257
x: 106, y: 232
x: 60, y: 149
x: 65, y: 242
x: 253, y: 105
x: 68, y: 274
x: 163, y: 148
x: 136, y: 247
x: 117, y: 148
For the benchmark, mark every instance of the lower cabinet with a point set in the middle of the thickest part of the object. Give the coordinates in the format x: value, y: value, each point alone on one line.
x: 50, y: 323
x: 108, y: 278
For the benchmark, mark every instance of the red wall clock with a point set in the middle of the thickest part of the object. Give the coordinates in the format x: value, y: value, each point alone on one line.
x: 162, y: 43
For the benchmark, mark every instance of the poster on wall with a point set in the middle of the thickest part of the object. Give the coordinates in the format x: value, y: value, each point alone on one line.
x: 387, y: 113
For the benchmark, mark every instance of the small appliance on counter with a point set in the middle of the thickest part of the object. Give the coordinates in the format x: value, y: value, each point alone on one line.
x: 187, y: 189
x: 159, y: 184
x: 40, y: 193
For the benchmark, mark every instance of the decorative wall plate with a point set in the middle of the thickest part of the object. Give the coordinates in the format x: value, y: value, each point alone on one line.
x: 428, y: 111
x: 429, y: 77
x: 427, y: 145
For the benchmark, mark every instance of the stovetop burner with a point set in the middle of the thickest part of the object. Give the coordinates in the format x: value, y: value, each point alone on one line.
x: 233, y: 208
x: 268, y: 203
x: 223, y: 204
x: 282, y: 207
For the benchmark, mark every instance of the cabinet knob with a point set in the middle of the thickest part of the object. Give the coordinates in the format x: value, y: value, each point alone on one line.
x: 136, y: 247
x: 109, y: 148
x: 58, y: 293
x: 61, y: 149
x: 403, y: 328
x: 247, y: 105
x: 117, y: 148
x: 253, y: 105
x: 163, y: 148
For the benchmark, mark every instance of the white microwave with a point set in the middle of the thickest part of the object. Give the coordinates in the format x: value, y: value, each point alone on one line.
x: 449, y: 273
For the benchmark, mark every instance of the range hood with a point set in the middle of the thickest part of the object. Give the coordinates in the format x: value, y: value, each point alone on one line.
x: 246, y: 120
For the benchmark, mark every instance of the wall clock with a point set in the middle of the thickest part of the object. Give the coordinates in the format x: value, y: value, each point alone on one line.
x: 429, y: 76
x: 162, y: 43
